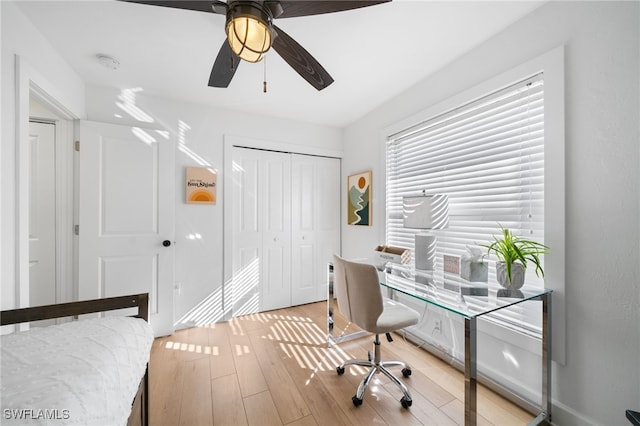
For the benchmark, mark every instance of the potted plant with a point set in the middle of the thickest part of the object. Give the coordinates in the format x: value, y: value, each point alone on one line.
x: 513, y: 253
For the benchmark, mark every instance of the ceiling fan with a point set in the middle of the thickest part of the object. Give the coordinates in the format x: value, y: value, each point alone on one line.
x: 251, y: 32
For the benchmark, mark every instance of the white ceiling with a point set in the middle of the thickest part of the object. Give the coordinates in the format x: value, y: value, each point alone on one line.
x: 372, y: 53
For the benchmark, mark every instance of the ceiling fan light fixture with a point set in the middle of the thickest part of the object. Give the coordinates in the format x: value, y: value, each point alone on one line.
x: 249, y: 31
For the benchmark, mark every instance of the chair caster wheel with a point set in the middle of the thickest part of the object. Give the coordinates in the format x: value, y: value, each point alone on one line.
x: 406, y: 372
x: 340, y: 371
x: 358, y: 402
x: 406, y: 403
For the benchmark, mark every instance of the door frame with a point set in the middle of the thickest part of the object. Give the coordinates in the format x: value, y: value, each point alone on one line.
x: 229, y: 142
x: 30, y: 83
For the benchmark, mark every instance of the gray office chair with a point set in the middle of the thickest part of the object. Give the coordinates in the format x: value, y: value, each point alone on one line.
x: 357, y: 288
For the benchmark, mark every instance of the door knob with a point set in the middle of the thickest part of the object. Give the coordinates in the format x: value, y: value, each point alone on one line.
x: 166, y: 243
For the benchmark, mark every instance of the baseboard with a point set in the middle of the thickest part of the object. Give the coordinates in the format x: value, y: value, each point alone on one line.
x: 566, y: 416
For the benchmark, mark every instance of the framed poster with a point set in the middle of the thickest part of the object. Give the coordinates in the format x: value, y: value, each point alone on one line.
x: 359, y: 199
x: 200, y: 185
x: 451, y: 264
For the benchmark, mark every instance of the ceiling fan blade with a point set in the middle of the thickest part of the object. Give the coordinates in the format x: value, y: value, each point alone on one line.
x: 224, y: 67
x: 209, y: 6
x: 292, y: 8
x: 301, y: 60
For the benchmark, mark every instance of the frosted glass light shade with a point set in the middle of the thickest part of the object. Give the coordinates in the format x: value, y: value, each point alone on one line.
x: 426, y: 211
x: 249, y: 30
x: 249, y: 38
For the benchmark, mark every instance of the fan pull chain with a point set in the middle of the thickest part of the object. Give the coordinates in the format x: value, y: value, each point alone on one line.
x: 264, y: 83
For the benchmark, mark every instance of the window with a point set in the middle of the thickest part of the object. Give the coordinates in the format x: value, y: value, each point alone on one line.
x: 488, y: 157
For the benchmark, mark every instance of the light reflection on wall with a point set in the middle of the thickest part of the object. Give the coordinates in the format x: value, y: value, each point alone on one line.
x: 127, y: 103
x: 183, y: 128
x: 508, y: 356
x: 244, y: 289
x: 143, y: 135
x: 206, y: 312
x: 163, y: 133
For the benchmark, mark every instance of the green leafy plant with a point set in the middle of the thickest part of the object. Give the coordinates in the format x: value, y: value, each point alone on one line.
x: 511, y: 248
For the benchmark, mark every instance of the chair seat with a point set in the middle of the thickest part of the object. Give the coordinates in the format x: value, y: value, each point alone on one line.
x: 394, y: 317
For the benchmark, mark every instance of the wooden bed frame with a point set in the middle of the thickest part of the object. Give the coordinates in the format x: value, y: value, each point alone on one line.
x: 140, y: 405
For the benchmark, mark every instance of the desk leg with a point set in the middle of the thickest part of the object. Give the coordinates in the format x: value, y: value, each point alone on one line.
x: 470, y: 373
x: 546, y: 355
x: 330, y: 304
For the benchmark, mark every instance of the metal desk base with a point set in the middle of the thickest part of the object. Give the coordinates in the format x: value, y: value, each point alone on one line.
x: 471, y: 372
x: 470, y: 357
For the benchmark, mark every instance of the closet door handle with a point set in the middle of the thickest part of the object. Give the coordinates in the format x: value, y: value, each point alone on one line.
x: 166, y: 243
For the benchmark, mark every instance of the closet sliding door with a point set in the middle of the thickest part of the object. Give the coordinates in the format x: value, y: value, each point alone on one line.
x: 261, y: 231
x: 275, y: 198
x: 285, y: 228
x: 315, y: 224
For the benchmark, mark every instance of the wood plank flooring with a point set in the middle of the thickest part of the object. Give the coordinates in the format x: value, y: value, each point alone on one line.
x: 275, y: 368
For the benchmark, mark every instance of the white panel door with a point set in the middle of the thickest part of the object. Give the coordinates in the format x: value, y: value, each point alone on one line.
x: 126, y: 217
x: 328, y: 219
x: 315, y: 222
x: 276, y: 236
x: 244, y: 288
x: 261, y: 276
x: 303, y: 229
x: 42, y: 215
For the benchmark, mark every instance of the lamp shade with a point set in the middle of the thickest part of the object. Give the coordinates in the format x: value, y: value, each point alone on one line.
x: 426, y: 211
x: 249, y: 31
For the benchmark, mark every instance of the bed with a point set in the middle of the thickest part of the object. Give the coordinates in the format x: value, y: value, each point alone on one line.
x: 88, y: 372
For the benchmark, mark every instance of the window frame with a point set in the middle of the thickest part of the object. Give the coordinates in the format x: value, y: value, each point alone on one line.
x: 552, y: 65
x: 484, y: 155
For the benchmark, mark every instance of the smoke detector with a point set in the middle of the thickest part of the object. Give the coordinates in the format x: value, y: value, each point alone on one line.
x: 108, y: 61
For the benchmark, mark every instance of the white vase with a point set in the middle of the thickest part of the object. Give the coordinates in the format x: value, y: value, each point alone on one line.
x: 517, y: 275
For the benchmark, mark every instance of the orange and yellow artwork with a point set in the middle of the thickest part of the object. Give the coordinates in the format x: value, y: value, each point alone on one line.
x: 201, y: 185
x: 359, y: 199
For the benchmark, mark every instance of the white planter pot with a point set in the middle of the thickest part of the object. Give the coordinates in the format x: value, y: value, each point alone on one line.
x: 517, y: 275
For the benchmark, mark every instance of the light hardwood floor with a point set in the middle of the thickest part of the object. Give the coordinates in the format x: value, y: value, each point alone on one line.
x: 275, y: 368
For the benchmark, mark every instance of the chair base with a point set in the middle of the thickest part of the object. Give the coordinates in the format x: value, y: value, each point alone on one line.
x: 376, y: 365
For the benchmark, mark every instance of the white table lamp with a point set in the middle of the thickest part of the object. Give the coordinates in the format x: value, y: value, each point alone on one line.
x: 425, y: 212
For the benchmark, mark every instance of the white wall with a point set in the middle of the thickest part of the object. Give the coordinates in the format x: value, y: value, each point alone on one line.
x: 199, y: 132
x: 40, y: 65
x: 601, y: 377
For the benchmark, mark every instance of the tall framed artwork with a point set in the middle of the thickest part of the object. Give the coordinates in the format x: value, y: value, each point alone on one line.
x: 359, y: 199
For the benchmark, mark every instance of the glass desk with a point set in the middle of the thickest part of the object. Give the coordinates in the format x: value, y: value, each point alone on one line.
x: 470, y: 302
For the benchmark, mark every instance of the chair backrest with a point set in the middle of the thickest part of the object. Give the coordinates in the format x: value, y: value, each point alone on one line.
x: 357, y: 288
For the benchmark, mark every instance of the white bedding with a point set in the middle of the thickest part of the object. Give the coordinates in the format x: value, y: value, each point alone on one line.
x: 79, y: 373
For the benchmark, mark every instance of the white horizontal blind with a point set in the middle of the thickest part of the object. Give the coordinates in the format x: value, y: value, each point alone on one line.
x: 488, y: 157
